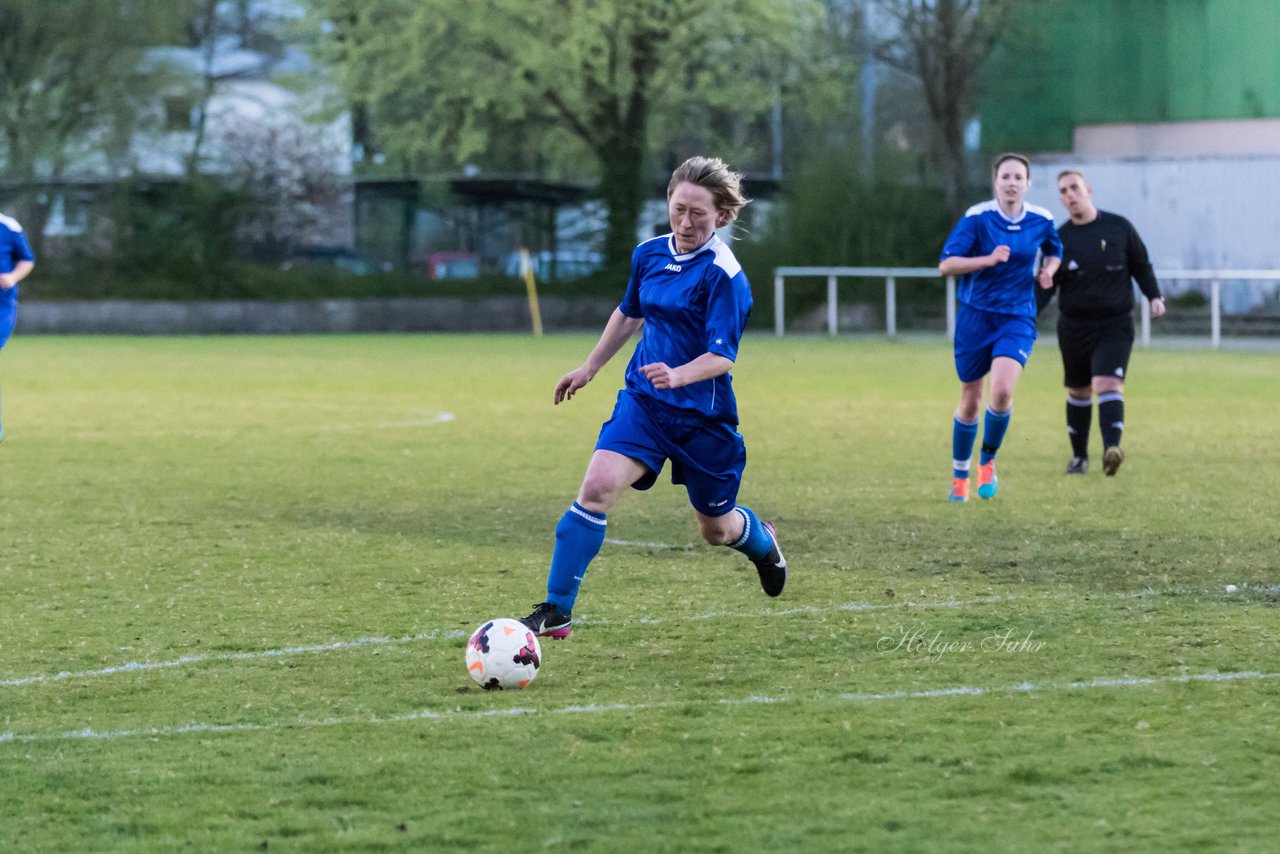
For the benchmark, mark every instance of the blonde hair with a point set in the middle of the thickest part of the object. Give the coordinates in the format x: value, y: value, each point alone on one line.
x: 713, y: 174
x: 1065, y: 172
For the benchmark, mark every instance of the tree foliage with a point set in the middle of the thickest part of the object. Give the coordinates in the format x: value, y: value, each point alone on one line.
x: 943, y: 44
x: 570, y: 89
x: 284, y: 170
x: 69, y: 81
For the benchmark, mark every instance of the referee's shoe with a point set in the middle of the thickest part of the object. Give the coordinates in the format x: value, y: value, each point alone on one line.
x: 1111, y: 459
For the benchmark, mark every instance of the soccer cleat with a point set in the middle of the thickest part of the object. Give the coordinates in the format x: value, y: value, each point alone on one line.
x: 548, y: 621
x: 959, y: 489
x: 1111, y: 460
x: 1078, y: 465
x: 988, y: 483
x: 773, y: 566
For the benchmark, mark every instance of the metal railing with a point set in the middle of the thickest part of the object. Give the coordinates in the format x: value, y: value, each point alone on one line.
x: 1215, y: 278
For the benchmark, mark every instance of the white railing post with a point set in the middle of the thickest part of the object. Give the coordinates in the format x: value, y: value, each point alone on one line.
x: 1146, y: 317
x: 1216, y: 278
x: 951, y: 308
x: 831, y: 305
x: 1215, y: 313
x: 891, y: 306
x: 779, y: 323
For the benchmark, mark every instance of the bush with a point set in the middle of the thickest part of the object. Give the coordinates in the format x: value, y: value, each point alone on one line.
x: 829, y: 217
x: 239, y: 280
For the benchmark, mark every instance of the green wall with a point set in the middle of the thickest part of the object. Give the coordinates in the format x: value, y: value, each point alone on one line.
x: 1073, y: 62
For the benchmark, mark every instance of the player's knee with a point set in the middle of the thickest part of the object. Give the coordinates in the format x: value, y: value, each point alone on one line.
x: 715, y: 530
x: 597, y: 494
x: 1107, y: 385
x: 1001, y: 397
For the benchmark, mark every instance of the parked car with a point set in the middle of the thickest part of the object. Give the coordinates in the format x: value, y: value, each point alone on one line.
x: 450, y: 265
x: 569, y: 263
x: 335, y: 258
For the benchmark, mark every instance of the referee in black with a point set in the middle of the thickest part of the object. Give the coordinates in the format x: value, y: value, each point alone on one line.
x: 1101, y: 254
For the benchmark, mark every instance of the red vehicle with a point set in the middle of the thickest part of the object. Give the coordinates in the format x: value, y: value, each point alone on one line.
x: 451, y: 265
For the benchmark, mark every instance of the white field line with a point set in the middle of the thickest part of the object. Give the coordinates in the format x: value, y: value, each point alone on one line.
x: 416, y: 418
x: 687, y: 547
x: 143, y: 666
x: 427, y: 715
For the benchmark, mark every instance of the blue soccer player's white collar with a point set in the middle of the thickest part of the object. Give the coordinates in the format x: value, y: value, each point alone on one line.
x: 710, y: 244
x: 1022, y: 214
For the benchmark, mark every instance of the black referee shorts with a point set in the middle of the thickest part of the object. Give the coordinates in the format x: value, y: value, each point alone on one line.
x: 1094, y: 348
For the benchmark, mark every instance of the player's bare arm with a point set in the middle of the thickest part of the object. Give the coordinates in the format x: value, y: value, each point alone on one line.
x: 19, y: 272
x: 958, y: 265
x: 1047, y: 269
x: 616, y: 333
x: 705, y: 367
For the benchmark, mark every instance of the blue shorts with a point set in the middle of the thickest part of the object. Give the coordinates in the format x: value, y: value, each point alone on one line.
x: 981, y: 336
x: 8, y: 314
x: 707, y: 457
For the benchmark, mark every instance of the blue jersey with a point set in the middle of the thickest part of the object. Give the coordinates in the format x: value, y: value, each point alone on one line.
x: 691, y: 304
x: 1007, y: 288
x: 13, y: 248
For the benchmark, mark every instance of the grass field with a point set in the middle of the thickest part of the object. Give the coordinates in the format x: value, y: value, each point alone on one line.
x: 237, y: 576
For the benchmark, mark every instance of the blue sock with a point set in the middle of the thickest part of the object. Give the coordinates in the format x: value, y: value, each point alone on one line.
x: 963, y: 435
x: 579, y: 537
x: 993, y: 427
x: 755, y: 541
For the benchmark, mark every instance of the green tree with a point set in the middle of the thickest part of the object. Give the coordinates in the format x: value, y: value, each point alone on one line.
x: 69, y: 82
x: 565, y: 88
x: 943, y: 44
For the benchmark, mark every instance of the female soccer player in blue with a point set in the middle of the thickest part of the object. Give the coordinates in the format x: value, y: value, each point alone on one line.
x: 993, y: 249
x: 690, y: 297
x: 16, y: 261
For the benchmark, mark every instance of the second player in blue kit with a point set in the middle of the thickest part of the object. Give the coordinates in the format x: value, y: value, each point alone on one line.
x: 689, y: 297
x: 994, y: 250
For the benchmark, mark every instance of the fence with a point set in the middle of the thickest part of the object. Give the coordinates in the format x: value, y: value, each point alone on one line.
x: 1215, y: 278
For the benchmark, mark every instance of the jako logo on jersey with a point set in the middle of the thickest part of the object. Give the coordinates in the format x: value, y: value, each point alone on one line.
x: 719, y: 503
x: 675, y: 268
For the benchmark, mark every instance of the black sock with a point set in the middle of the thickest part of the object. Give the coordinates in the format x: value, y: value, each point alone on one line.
x: 1079, y: 417
x: 1111, y: 417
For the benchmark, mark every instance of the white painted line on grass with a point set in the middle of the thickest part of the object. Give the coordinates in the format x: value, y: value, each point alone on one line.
x: 686, y: 547
x: 141, y: 666
x: 860, y: 606
x: 425, y: 420
x: 417, y: 418
x: 427, y: 715
x: 1031, y: 688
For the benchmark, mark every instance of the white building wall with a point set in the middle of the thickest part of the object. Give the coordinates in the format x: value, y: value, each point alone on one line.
x: 1232, y: 138
x: 1194, y: 213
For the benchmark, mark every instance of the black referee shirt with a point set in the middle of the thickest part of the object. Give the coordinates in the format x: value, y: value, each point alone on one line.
x: 1098, y: 260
